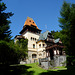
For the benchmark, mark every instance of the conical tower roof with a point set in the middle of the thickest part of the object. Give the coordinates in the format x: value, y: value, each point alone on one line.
x: 30, y: 22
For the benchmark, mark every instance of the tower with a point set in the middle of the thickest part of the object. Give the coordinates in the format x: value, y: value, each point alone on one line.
x: 30, y: 26
x: 32, y: 33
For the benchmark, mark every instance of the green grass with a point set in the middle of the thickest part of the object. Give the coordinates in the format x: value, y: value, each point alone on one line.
x: 34, y: 69
x: 54, y: 71
x: 58, y: 68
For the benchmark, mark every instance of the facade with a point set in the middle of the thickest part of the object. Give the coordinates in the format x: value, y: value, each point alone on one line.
x: 40, y: 45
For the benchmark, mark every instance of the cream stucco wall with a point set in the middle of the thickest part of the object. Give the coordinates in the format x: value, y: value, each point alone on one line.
x: 28, y: 35
x: 39, y: 51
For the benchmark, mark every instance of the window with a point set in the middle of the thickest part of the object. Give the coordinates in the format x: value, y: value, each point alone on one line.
x: 40, y: 54
x: 33, y: 45
x: 44, y: 53
x: 39, y: 45
x: 43, y: 45
x: 33, y: 22
x: 34, y: 55
x: 31, y: 38
x: 35, y: 39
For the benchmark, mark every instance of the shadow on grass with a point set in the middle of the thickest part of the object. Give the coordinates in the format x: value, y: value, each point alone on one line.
x: 15, y: 70
x: 60, y: 72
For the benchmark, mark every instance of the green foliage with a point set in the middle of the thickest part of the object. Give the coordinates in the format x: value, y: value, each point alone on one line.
x: 4, y: 23
x: 22, y: 44
x: 9, y: 53
x: 67, y: 23
x: 37, y: 70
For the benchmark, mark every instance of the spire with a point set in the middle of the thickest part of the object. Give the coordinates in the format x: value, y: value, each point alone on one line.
x: 29, y: 21
x: 29, y: 18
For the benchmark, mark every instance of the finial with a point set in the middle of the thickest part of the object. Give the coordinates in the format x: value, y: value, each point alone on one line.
x: 46, y: 27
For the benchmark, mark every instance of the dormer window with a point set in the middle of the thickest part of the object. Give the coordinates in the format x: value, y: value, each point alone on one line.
x: 33, y: 22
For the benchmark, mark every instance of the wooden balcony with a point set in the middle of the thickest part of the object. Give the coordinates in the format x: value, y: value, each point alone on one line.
x: 53, y: 46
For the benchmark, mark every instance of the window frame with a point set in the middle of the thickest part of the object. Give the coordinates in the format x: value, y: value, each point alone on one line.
x: 39, y: 45
x: 43, y: 45
x: 33, y: 45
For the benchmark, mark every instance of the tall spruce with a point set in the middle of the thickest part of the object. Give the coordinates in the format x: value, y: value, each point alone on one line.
x: 10, y: 53
x: 4, y: 23
x: 67, y: 23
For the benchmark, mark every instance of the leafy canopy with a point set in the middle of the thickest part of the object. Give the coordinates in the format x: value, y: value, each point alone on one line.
x: 22, y: 44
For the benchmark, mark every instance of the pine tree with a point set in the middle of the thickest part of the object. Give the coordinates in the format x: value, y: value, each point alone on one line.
x: 67, y: 23
x: 4, y: 23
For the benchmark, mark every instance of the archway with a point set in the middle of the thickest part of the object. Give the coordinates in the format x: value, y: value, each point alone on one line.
x: 34, y: 56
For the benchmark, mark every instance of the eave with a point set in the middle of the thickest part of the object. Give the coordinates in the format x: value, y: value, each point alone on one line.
x: 51, y: 47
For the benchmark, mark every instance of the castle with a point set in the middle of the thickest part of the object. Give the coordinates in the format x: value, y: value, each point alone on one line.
x: 40, y: 45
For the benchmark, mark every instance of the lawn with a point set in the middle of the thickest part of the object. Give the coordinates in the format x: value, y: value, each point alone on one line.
x: 33, y: 69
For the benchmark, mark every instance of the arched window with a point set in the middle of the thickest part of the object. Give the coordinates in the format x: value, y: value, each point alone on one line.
x: 43, y: 45
x: 44, y: 53
x: 29, y: 20
x: 33, y: 22
x: 39, y: 45
x: 33, y: 45
x: 35, y: 39
x: 31, y: 38
x: 34, y: 56
x: 40, y: 54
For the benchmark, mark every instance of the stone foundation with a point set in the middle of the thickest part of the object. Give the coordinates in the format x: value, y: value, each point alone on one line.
x: 58, y: 61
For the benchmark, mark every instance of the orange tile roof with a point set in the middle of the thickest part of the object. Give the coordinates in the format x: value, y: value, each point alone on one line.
x: 29, y: 21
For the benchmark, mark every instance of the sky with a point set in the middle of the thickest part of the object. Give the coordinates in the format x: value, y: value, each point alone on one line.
x: 45, y: 13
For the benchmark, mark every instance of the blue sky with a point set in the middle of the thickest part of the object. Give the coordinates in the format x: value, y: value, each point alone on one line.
x: 45, y: 13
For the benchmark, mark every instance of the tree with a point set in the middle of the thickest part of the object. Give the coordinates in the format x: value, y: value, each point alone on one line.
x: 67, y: 23
x: 9, y: 53
x: 22, y: 44
x: 4, y: 23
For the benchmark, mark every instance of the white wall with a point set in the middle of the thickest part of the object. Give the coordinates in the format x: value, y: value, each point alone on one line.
x: 28, y: 35
x: 37, y: 50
